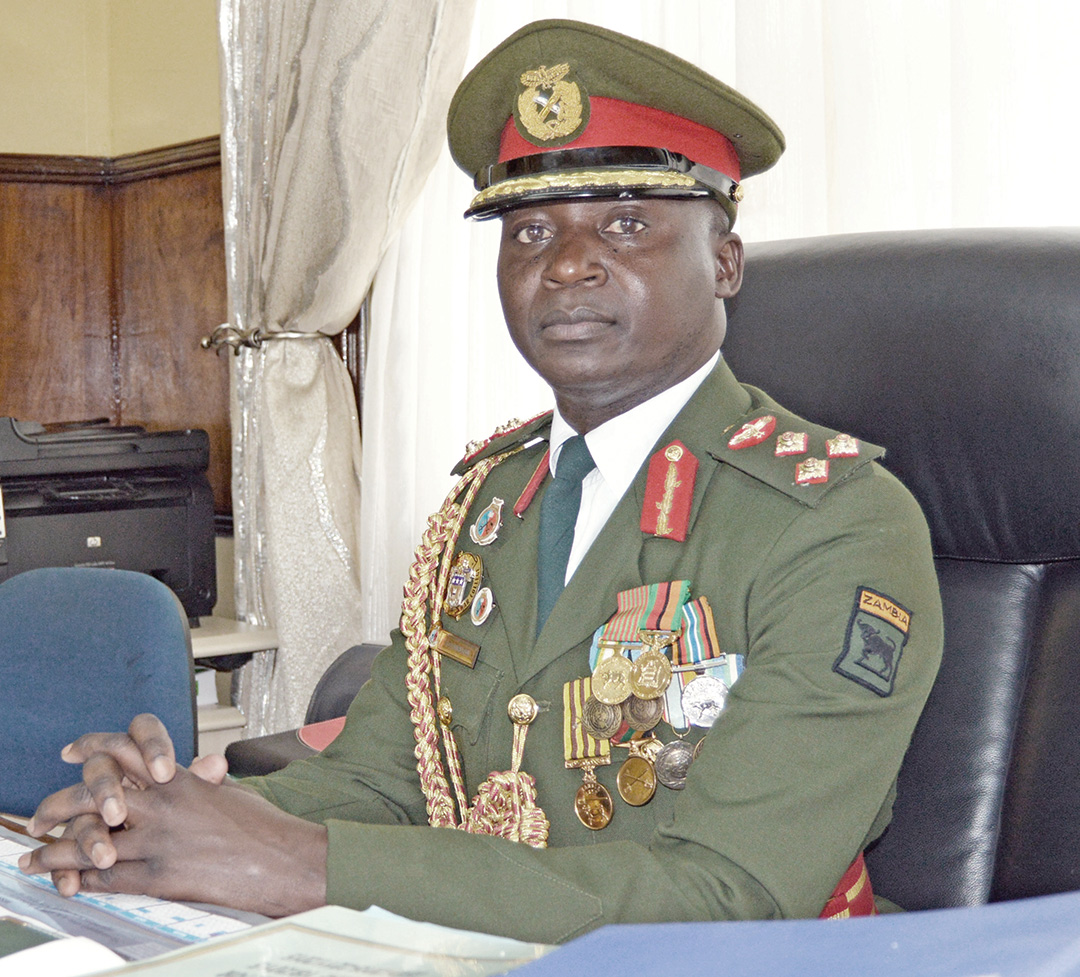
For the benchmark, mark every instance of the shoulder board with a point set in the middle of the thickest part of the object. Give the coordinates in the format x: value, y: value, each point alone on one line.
x: 792, y: 455
x: 505, y: 436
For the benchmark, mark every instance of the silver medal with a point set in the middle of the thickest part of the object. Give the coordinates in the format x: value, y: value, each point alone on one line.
x: 703, y: 700
x: 672, y: 763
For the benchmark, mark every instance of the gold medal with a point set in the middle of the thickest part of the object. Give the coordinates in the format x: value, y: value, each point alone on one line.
x: 636, y: 779
x: 584, y: 751
x: 611, y: 680
x: 650, y: 675
x: 592, y: 802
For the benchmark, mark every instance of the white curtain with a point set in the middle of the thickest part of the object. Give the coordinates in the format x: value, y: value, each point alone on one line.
x: 898, y: 114
x: 332, y: 117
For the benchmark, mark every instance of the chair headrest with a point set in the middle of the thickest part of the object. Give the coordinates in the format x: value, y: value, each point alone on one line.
x: 958, y: 351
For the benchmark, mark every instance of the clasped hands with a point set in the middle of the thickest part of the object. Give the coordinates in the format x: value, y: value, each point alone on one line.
x: 138, y: 822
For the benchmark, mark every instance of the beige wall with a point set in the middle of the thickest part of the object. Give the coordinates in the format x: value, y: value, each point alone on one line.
x: 107, y: 77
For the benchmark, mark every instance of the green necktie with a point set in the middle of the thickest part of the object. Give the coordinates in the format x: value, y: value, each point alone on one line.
x: 558, y: 513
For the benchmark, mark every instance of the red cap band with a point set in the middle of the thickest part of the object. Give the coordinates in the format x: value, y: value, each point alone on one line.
x: 613, y: 122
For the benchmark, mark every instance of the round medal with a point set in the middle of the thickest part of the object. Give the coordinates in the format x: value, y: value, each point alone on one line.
x: 651, y: 674
x: 672, y: 763
x: 593, y: 805
x: 481, y: 606
x: 697, y: 748
x: 636, y: 781
x: 601, y: 719
x: 703, y: 700
x: 642, y: 714
x: 611, y: 680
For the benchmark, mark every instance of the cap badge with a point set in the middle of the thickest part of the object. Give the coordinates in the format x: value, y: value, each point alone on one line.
x: 552, y: 108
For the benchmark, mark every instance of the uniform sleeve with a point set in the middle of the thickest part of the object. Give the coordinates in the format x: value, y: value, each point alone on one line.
x: 368, y: 773
x: 796, y: 776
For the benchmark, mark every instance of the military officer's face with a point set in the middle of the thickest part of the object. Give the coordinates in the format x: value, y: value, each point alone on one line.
x: 612, y: 301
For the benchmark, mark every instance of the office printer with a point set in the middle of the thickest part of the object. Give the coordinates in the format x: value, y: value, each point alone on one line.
x: 87, y: 494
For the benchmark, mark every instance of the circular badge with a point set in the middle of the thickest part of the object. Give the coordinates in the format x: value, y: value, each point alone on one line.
x: 552, y: 107
x: 601, y: 719
x: 651, y: 674
x: 703, y: 700
x: 672, y: 763
x: 642, y: 714
x: 636, y: 781
x: 593, y: 805
x: 481, y: 606
x: 611, y: 680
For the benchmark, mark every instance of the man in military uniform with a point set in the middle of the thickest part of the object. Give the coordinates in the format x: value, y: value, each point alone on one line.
x: 661, y: 653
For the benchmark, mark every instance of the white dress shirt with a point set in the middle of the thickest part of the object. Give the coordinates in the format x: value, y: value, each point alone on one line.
x: 619, y: 447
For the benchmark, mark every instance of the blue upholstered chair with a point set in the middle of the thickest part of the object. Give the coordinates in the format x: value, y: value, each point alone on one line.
x: 85, y: 650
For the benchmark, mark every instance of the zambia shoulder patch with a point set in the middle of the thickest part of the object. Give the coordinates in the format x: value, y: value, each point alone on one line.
x: 876, y: 635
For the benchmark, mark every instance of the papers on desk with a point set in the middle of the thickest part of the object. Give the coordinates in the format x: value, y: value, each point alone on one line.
x: 135, y: 927
x: 337, y: 942
x: 327, y: 942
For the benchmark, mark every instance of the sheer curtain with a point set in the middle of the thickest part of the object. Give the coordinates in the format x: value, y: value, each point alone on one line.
x: 898, y: 114
x: 331, y: 122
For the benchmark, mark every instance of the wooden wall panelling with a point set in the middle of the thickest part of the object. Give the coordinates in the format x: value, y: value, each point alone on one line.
x: 54, y: 302
x: 110, y: 273
x: 170, y: 285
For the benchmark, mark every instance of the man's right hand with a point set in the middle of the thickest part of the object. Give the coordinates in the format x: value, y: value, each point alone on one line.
x: 112, y: 762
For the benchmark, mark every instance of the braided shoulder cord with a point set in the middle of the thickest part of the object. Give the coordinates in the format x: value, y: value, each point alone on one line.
x: 425, y: 589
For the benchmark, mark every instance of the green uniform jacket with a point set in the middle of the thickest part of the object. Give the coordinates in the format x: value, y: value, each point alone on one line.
x: 794, y: 779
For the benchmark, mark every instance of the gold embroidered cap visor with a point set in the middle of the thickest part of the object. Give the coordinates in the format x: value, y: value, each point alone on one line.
x: 563, y: 109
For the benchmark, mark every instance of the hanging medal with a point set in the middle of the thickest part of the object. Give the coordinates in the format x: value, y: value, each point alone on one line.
x: 583, y: 751
x: 636, y: 779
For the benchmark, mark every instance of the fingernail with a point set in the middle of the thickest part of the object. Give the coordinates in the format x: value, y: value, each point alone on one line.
x: 31, y: 828
x: 24, y: 861
x: 99, y: 854
x: 64, y: 752
x: 159, y: 767
x: 111, y: 812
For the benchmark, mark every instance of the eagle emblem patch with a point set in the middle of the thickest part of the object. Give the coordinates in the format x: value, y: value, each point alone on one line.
x: 876, y: 635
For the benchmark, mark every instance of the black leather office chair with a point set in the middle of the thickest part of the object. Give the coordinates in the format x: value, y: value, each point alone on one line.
x: 959, y: 352
x: 330, y: 700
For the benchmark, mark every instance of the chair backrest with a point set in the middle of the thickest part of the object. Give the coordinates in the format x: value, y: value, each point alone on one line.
x: 85, y: 650
x: 339, y: 684
x: 959, y: 352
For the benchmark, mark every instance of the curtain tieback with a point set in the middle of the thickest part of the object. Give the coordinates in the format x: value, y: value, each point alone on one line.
x: 227, y: 335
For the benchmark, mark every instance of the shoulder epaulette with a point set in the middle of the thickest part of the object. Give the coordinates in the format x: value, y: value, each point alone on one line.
x: 794, y: 456
x: 505, y: 436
